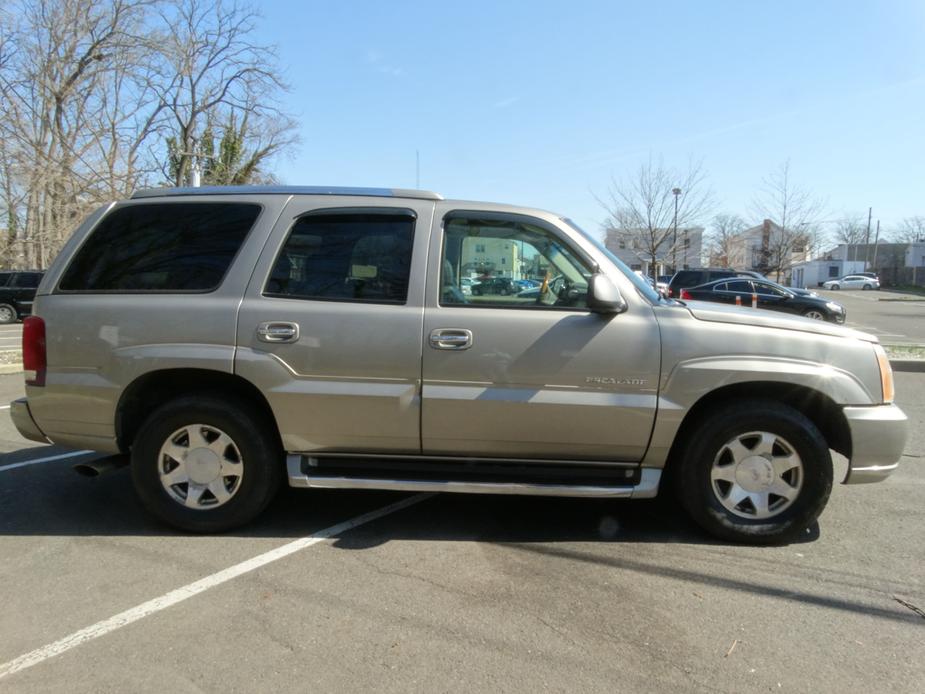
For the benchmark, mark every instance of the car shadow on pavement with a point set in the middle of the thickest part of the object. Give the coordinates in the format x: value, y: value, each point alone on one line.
x: 51, y: 499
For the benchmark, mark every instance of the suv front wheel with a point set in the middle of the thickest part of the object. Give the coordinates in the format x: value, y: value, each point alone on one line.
x: 756, y: 471
x: 204, y: 464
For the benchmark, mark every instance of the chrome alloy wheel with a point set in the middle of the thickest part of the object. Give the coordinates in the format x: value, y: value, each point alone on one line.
x: 757, y: 475
x: 200, y: 467
x: 815, y: 315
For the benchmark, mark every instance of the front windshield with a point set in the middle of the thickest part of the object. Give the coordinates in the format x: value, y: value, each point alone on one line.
x: 641, y: 285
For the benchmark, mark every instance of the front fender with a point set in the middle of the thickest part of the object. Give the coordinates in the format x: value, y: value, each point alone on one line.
x: 691, y: 380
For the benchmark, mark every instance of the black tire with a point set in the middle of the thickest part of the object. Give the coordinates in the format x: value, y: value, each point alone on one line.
x: 8, y: 314
x: 260, y: 455
x: 835, y: 287
x: 695, y: 488
x: 868, y: 287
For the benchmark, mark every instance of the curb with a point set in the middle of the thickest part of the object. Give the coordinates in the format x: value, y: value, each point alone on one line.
x: 904, y: 301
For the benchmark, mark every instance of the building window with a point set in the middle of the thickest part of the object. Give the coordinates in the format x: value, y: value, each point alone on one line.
x: 833, y: 271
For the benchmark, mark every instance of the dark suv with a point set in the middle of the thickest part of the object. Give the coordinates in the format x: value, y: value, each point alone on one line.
x: 17, y: 291
x: 695, y: 277
x: 495, y: 285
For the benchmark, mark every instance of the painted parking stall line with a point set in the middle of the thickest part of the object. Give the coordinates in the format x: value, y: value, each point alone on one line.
x: 47, y: 459
x: 185, y: 592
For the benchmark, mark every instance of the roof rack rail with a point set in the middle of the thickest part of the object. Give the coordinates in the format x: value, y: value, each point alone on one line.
x: 288, y: 190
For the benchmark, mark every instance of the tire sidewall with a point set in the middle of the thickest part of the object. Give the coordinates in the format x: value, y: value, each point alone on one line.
x: 13, y: 314
x: 701, y: 501
x: 260, y: 454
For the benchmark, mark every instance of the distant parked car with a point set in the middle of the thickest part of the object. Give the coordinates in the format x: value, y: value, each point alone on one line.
x: 494, y: 285
x: 769, y: 296
x: 526, y: 284
x: 852, y: 282
x: 661, y: 284
x: 17, y: 292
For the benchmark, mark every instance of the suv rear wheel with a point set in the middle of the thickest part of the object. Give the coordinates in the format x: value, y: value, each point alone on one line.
x: 756, y: 471
x: 7, y: 314
x: 205, y: 464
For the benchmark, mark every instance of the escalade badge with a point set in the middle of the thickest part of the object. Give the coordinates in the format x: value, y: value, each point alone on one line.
x: 609, y: 381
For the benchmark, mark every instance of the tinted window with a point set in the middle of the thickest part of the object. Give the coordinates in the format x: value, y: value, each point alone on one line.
x: 27, y: 280
x: 495, y: 256
x: 5, y: 278
x: 346, y: 257
x: 739, y: 286
x: 184, y: 247
x: 768, y: 289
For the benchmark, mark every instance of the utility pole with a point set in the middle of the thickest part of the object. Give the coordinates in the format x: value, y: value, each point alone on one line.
x: 195, y: 174
x: 674, y: 241
x: 876, y: 241
x: 870, y: 211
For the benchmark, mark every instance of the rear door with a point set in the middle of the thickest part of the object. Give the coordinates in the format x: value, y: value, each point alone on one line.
x: 536, y: 375
x: 330, y: 325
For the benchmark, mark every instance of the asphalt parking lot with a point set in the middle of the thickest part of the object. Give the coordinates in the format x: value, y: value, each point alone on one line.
x: 451, y: 593
x: 888, y: 315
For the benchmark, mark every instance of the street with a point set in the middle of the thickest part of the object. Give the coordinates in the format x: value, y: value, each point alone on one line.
x: 452, y: 593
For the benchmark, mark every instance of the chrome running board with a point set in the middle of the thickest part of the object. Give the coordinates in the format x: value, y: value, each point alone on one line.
x: 298, y: 477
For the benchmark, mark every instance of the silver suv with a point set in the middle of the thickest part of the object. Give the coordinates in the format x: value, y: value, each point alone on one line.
x: 224, y: 339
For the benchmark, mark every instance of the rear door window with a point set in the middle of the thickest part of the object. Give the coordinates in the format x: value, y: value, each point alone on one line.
x: 355, y: 256
x: 27, y: 280
x: 161, y: 247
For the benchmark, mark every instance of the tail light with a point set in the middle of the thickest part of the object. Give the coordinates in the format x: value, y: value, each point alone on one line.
x: 33, y: 350
x: 685, y: 295
x: 670, y: 292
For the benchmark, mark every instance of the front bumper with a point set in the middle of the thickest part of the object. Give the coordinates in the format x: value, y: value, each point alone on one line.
x: 22, y: 419
x: 878, y: 438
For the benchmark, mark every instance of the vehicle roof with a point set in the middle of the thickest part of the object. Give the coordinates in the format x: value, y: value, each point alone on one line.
x: 287, y: 190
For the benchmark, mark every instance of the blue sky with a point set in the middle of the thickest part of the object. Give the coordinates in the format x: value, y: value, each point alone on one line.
x: 542, y: 103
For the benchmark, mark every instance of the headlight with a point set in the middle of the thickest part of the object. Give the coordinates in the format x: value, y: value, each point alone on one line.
x: 832, y: 306
x: 886, y: 374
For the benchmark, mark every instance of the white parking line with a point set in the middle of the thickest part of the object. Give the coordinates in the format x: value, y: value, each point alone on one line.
x: 180, y: 594
x: 4, y: 407
x: 25, y: 463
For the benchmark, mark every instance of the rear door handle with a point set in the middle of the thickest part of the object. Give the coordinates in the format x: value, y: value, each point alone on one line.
x: 451, y: 338
x: 278, y: 331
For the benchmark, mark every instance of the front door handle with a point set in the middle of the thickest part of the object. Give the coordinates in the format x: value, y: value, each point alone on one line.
x: 278, y: 331
x: 451, y: 338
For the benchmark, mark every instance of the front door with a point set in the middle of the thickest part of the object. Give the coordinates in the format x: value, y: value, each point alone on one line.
x: 330, y: 326
x: 534, y: 373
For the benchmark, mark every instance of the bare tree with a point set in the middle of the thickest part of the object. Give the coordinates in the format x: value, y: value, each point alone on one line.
x: 910, y: 230
x: 851, y: 230
x: 793, y: 214
x: 218, y: 74
x: 723, y: 232
x: 56, y: 90
x: 641, y: 209
x: 90, y: 90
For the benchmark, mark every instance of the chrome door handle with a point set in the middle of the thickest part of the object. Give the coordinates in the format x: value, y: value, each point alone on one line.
x: 451, y: 338
x: 278, y: 331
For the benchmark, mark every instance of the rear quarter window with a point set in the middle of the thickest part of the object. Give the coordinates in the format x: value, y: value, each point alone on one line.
x: 161, y: 247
